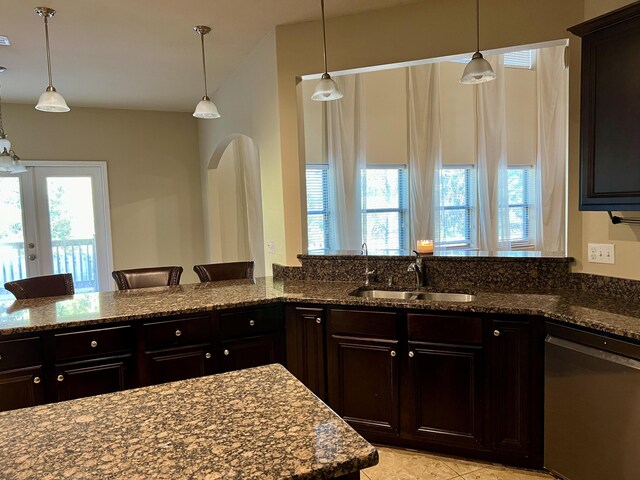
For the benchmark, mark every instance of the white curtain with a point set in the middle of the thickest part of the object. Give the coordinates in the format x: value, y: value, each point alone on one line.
x: 346, y: 158
x: 249, y: 197
x: 491, y: 124
x: 552, y: 82
x: 425, y: 151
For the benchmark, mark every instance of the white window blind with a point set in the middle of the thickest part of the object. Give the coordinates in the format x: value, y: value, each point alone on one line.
x: 384, y: 223
x: 457, y: 212
x: 523, y: 59
x: 521, y: 186
x: 318, y: 231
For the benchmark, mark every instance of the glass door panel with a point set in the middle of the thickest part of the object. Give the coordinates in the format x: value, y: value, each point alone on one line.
x: 73, y: 232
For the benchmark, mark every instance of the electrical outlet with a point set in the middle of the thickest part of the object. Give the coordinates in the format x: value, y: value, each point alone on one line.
x: 601, y: 253
x: 271, y: 247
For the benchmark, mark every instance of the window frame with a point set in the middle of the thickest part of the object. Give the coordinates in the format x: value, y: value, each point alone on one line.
x: 527, y: 242
x: 325, y: 212
x: 470, y: 208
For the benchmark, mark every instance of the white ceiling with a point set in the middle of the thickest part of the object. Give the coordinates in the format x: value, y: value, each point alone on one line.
x: 142, y: 54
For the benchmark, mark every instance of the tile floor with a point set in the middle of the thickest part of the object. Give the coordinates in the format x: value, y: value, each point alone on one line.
x: 396, y: 464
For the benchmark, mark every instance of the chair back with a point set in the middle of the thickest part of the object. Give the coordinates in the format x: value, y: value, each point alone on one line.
x: 215, y: 272
x: 44, y: 286
x: 147, y: 277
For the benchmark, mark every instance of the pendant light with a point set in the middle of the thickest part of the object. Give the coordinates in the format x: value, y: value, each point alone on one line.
x: 326, y: 89
x: 50, y: 100
x: 205, y: 108
x: 9, y: 161
x: 478, y: 70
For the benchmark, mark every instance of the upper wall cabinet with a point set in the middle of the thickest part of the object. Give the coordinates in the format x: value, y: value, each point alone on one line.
x: 610, y: 111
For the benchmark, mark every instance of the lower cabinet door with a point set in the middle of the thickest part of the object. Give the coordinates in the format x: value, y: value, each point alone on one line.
x: 176, y: 364
x: 363, y: 383
x: 252, y: 352
x: 21, y: 388
x: 444, y: 402
x: 92, y: 377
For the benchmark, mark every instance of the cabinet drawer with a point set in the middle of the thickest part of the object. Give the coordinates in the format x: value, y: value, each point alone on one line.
x: 183, y: 331
x: 445, y: 328
x: 19, y: 353
x: 93, y: 342
x: 250, y: 322
x: 363, y: 323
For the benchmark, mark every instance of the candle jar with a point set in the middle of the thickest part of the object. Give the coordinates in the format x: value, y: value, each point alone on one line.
x: 424, y: 247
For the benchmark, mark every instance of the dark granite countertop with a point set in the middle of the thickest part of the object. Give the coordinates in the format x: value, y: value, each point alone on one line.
x: 259, y: 423
x: 614, y: 315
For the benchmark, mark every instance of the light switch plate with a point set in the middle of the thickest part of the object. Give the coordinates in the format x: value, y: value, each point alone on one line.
x: 601, y: 253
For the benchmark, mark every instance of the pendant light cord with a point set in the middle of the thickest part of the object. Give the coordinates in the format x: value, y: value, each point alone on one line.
x: 477, y: 25
x: 204, y: 64
x: 46, y: 36
x: 324, y: 38
x: 1, y: 127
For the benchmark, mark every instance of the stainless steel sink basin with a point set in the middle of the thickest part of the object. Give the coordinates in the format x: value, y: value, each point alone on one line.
x: 418, y: 296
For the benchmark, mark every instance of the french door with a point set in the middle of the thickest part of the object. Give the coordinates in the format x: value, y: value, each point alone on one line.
x: 54, y: 218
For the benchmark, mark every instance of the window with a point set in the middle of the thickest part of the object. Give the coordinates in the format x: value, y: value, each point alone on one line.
x: 521, y: 186
x: 457, y: 214
x: 523, y: 59
x: 384, y: 223
x: 318, y: 231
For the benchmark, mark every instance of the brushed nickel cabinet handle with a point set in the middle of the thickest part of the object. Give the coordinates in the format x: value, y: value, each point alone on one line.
x: 94, y: 344
x: 178, y: 333
x: 61, y: 378
x: 226, y: 352
x: 252, y: 322
x: 393, y: 353
x: 36, y: 379
x: 496, y: 333
x: 318, y: 320
x: 207, y: 355
x: 411, y: 354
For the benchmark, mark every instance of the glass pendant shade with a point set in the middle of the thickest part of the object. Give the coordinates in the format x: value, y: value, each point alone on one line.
x: 6, y: 163
x: 206, y: 109
x: 478, y: 70
x: 5, y: 144
x: 52, y: 101
x: 326, y: 90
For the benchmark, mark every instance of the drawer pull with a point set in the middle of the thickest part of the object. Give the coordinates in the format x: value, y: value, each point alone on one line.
x: 61, y: 378
x: 252, y: 322
x: 207, y: 355
x: 393, y: 353
x: 94, y: 344
x: 36, y: 379
x: 178, y: 333
x: 496, y: 333
x: 318, y: 320
x: 226, y: 352
x: 411, y: 354
x: 0, y: 357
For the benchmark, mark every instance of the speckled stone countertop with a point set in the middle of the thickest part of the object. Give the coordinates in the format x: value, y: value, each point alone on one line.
x: 614, y: 315
x: 259, y: 423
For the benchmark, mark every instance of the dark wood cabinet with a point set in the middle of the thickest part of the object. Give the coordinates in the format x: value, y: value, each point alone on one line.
x: 22, y: 387
x: 516, y: 397
x: 251, y: 352
x: 444, y: 399
x: 610, y: 111
x: 305, y: 346
x: 94, y: 377
x: 363, y: 369
x: 173, y: 364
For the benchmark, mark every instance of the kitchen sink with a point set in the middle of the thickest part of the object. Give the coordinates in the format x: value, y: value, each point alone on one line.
x: 418, y: 296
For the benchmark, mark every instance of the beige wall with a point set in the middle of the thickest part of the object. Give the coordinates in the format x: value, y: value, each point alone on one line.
x: 596, y: 227
x: 154, y: 179
x: 248, y: 105
x: 402, y: 34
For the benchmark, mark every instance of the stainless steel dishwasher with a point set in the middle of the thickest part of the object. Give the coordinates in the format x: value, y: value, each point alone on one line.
x: 592, y: 406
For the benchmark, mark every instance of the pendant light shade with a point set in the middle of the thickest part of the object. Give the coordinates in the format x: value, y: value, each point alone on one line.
x: 50, y: 100
x: 205, y: 108
x: 9, y: 161
x: 326, y: 89
x: 478, y: 70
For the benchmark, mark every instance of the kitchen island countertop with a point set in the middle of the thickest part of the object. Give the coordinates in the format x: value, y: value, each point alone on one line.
x: 614, y: 315
x: 259, y: 423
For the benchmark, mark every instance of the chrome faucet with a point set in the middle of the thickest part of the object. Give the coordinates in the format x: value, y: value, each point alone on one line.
x: 419, y: 268
x: 367, y: 273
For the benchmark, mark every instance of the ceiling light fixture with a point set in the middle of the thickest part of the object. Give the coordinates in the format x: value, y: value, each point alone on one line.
x: 478, y: 70
x: 205, y: 108
x: 50, y: 100
x: 326, y: 89
x: 9, y: 161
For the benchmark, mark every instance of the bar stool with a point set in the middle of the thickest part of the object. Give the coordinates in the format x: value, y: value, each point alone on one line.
x: 147, y: 277
x: 44, y: 286
x: 214, y: 272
